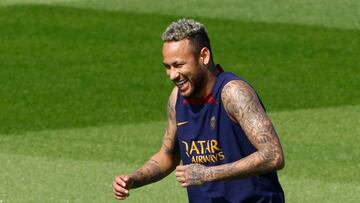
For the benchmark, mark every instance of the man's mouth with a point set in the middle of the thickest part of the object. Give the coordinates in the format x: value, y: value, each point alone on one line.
x: 182, y: 85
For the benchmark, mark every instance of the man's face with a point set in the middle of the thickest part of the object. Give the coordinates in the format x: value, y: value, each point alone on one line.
x: 183, y: 67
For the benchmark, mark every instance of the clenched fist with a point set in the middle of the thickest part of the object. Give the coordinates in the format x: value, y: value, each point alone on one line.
x: 192, y: 174
x: 121, y: 186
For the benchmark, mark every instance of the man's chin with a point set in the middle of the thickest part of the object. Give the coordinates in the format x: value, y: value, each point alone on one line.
x: 186, y: 93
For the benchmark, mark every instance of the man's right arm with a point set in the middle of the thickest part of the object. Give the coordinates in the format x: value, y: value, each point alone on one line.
x: 159, y: 165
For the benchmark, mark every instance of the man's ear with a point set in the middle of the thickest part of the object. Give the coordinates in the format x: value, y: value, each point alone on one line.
x: 205, y: 56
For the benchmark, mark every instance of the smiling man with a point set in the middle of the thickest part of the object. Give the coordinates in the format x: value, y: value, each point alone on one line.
x: 217, y: 127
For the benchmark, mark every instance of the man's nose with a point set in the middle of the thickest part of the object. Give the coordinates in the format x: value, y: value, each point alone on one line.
x: 174, y: 74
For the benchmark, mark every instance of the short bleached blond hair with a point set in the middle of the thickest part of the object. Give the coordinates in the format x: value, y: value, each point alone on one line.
x: 188, y: 29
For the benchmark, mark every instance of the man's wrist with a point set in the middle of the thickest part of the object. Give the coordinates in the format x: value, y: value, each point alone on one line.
x: 214, y: 173
x: 133, y: 183
x: 209, y: 174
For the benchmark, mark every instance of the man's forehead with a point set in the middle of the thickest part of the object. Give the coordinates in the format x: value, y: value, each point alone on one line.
x: 176, y: 51
x: 182, y: 47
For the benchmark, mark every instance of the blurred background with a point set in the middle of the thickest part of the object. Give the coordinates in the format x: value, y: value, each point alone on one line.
x: 83, y: 92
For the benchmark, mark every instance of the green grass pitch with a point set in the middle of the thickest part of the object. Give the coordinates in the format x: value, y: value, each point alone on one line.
x: 83, y: 92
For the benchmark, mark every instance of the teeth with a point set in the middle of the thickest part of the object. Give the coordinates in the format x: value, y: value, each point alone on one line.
x: 181, y: 82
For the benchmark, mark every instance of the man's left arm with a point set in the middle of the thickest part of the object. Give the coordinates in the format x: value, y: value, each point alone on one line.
x: 243, y: 106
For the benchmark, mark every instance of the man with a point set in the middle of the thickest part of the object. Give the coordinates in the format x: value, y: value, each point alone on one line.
x: 216, y: 125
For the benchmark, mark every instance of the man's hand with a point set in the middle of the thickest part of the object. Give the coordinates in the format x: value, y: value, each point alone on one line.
x: 121, y: 186
x: 192, y: 174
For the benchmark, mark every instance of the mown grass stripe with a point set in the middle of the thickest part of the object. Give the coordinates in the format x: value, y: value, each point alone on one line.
x: 342, y: 14
x: 300, y: 190
x: 69, y: 68
x: 310, y: 138
x: 42, y: 179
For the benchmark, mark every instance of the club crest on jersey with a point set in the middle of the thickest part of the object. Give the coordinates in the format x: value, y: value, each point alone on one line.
x: 212, y: 122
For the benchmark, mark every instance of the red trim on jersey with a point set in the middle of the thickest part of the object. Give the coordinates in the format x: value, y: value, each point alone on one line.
x: 196, y: 101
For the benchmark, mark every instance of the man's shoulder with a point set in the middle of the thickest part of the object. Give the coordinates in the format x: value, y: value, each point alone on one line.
x: 174, y: 92
x: 236, y: 89
x: 236, y: 83
x: 173, y: 97
x: 227, y: 77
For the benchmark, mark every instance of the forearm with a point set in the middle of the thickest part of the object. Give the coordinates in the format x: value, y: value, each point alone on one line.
x: 158, y: 167
x: 258, y: 163
x: 150, y: 172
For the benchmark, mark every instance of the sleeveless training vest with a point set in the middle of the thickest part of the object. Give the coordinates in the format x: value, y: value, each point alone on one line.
x: 206, y: 135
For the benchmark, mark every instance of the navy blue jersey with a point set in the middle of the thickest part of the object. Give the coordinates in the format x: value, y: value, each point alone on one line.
x: 206, y: 135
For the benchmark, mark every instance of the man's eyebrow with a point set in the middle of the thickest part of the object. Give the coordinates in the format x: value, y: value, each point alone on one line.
x: 174, y: 63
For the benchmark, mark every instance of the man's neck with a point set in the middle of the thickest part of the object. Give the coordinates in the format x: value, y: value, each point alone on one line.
x: 210, y: 79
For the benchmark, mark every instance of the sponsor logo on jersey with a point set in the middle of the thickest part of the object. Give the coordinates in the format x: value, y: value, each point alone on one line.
x: 182, y: 123
x: 203, y: 151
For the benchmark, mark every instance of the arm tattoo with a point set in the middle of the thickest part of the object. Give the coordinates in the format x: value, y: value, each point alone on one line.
x: 196, y: 174
x: 149, y: 173
x: 170, y: 145
x: 152, y: 170
x: 243, y: 106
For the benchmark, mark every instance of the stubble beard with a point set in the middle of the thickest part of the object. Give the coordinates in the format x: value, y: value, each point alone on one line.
x: 198, y: 86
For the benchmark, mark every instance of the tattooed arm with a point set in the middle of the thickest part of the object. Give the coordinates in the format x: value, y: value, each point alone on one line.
x: 160, y: 164
x: 243, y: 106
